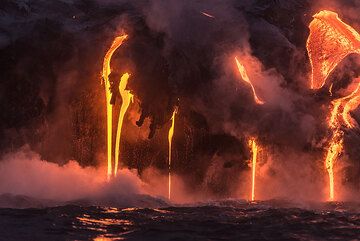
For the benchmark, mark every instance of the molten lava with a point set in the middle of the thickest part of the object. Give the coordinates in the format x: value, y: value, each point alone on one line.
x: 335, y: 146
x: 170, y: 138
x: 246, y: 78
x: 329, y: 42
x: 341, y: 110
x: 109, y: 108
x: 127, y: 97
x: 350, y: 103
x: 254, y: 151
x: 334, y: 150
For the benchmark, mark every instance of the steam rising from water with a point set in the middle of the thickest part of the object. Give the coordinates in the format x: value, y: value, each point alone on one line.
x: 24, y: 173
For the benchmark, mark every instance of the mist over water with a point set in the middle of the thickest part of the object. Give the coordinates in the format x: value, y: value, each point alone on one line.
x: 24, y: 174
x: 27, y: 181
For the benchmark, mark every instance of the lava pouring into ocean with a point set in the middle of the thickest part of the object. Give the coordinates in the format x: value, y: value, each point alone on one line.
x: 329, y: 42
x: 170, y: 139
x: 126, y: 98
x: 254, y: 152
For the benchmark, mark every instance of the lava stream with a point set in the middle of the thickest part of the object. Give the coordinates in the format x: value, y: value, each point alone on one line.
x: 170, y: 138
x: 329, y: 42
x: 350, y: 103
x: 341, y: 109
x: 109, y: 108
x: 246, y: 78
x: 127, y: 97
x: 254, y: 150
x: 334, y: 150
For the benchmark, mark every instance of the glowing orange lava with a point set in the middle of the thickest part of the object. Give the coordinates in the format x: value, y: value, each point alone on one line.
x: 127, y: 97
x: 340, y: 114
x: 329, y: 42
x: 333, y: 152
x: 254, y: 151
x: 170, y: 138
x: 109, y: 108
x: 350, y: 103
x: 335, y: 147
x: 246, y: 78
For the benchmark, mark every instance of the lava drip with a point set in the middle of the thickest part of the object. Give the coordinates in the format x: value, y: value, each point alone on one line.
x: 170, y: 138
x: 246, y: 78
x: 329, y: 42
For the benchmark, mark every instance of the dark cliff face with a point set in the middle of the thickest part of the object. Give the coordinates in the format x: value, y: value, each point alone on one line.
x: 51, y: 56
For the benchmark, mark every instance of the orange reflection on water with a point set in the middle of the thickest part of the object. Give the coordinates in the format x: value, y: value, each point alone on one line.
x: 102, y: 238
x: 111, y: 210
x: 85, y: 219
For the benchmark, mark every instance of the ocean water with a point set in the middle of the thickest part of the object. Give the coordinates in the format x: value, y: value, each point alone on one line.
x: 218, y: 220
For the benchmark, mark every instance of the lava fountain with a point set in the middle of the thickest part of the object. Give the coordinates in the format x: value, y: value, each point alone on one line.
x: 170, y: 138
x: 246, y: 78
x: 329, y: 42
x: 109, y: 107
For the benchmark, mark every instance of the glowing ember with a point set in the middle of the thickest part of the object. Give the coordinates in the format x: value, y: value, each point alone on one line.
x: 127, y: 97
x: 170, y: 138
x: 246, y: 78
x: 109, y: 108
x: 207, y: 14
x: 254, y: 150
x: 329, y: 42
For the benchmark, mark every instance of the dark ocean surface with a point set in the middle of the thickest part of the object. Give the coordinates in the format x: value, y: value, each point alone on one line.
x: 218, y: 220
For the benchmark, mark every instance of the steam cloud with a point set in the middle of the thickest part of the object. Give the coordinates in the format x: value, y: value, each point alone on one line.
x: 25, y: 175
